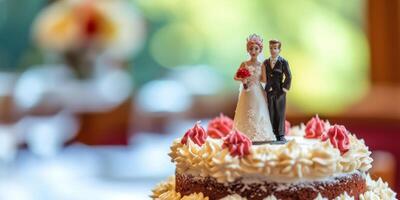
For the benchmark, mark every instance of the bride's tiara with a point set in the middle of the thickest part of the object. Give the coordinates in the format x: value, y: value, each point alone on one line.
x: 254, y: 39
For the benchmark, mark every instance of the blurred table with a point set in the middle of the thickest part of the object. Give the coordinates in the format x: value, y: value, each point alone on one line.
x: 82, y: 172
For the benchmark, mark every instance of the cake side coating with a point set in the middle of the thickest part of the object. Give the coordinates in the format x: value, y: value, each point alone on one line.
x: 353, y: 184
x: 375, y: 190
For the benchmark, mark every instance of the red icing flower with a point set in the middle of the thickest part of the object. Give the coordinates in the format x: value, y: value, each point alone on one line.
x: 197, y: 134
x: 243, y: 73
x: 220, y: 126
x: 287, y: 127
x: 339, y: 138
x: 237, y: 143
x: 315, y: 128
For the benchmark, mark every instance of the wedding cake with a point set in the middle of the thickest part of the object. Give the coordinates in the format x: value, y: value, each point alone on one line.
x: 318, y: 161
x: 257, y: 156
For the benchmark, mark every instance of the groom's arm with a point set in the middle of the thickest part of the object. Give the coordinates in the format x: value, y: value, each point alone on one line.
x: 288, y: 76
x: 263, y: 74
x: 264, y: 77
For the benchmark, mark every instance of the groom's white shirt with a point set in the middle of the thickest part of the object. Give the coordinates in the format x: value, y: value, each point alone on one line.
x: 272, y: 61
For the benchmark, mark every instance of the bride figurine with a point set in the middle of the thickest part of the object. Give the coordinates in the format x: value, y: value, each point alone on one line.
x: 252, y: 115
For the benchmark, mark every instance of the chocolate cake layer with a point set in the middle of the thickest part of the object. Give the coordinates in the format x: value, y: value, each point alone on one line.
x: 353, y: 184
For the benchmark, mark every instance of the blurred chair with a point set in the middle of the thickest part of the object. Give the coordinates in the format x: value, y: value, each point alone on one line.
x: 384, y: 166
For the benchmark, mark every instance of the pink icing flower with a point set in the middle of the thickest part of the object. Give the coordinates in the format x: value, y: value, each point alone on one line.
x: 237, y: 143
x: 339, y: 138
x: 315, y: 128
x: 197, y: 134
x: 220, y: 126
x: 287, y: 127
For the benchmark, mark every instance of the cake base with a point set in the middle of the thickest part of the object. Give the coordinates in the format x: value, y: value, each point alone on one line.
x: 353, y: 184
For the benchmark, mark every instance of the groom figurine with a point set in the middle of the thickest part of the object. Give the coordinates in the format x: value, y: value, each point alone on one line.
x: 278, y: 79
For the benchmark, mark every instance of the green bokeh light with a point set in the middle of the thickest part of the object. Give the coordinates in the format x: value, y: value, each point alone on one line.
x: 174, y: 45
x: 324, y: 42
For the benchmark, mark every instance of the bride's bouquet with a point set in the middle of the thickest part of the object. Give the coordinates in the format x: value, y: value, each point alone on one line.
x: 243, y: 73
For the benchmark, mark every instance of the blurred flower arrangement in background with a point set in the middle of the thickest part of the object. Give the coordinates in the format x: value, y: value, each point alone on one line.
x: 80, y: 31
x: 86, y: 47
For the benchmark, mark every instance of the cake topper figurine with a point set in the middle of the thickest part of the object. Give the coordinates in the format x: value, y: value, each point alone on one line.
x: 260, y: 112
x: 251, y: 116
x: 278, y: 79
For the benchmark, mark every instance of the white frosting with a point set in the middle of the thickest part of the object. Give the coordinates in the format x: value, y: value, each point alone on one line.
x: 376, y: 190
x: 344, y: 196
x: 166, y: 191
x: 297, y: 130
x: 379, y: 188
x: 319, y: 197
x: 298, y: 160
x: 271, y: 197
x: 233, y: 197
x: 369, y: 196
x: 195, y: 196
x: 358, y: 156
x: 170, y: 195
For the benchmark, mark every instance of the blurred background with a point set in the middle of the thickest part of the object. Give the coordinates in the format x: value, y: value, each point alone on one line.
x: 93, y: 92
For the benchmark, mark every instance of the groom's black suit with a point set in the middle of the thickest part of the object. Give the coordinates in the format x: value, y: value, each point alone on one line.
x: 278, y: 78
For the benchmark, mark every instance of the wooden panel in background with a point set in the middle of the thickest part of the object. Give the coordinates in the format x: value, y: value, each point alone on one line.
x: 107, y: 128
x: 383, y: 19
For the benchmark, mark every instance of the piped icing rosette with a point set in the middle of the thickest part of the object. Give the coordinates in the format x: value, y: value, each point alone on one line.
x: 220, y: 126
x: 197, y: 134
x: 315, y: 128
x: 237, y: 143
x: 334, y: 152
x: 339, y: 138
x: 287, y: 127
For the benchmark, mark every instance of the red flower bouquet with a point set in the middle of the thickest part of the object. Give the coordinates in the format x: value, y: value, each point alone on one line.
x: 243, y: 73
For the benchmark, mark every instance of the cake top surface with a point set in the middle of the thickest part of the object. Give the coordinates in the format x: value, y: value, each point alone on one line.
x: 314, y: 151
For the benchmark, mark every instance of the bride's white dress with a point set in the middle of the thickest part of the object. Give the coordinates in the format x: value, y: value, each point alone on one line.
x: 252, y: 115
